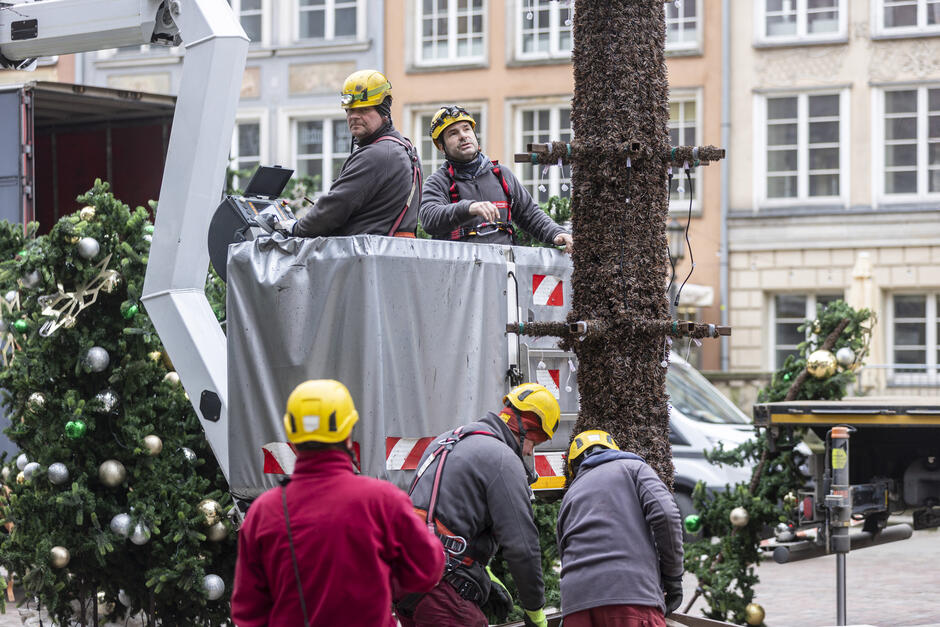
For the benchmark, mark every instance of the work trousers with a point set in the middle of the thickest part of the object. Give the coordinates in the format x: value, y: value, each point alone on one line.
x: 617, y: 616
x: 443, y: 607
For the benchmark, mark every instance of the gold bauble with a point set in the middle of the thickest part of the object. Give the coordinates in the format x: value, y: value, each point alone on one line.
x: 754, y: 614
x: 153, y: 444
x: 112, y: 473
x: 87, y: 213
x: 172, y: 377
x: 790, y: 499
x: 154, y: 356
x: 73, y: 239
x: 821, y: 364
x: 20, y: 477
x: 111, y: 282
x: 739, y: 517
x: 211, y: 511
x: 59, y: 556
x: 217, y: 532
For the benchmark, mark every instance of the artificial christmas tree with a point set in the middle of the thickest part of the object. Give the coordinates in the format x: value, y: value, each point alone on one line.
x: 109, y: 519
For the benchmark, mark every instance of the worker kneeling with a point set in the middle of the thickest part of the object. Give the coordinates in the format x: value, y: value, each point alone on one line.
x: 325, y: 549
x: 471, y: 488
x: 619, y: 538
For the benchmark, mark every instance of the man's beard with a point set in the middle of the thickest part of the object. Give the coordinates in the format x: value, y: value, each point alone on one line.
x: 459, y: 158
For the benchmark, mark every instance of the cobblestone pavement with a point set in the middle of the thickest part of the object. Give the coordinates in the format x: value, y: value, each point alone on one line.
x: 891, y: 585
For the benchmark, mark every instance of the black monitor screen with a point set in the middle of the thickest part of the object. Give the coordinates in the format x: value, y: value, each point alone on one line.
x: 268, y: 182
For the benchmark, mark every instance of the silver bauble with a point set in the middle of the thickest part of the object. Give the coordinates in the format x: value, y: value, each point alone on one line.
x: 31, y: 469
x: 121, y: 524
x: 112, y: 473
x: 217, y: 532
x: 96, y: 359
x: 5, y: 473
x: 141, y: 534
x: 36, y: 401
x: 124, y: 598
x: 153, y: 444
x: 10, y: 296
x: 59, y: 556
x: 189, y: 454
x: 58, y: 473
x: 31, y: 280
x: 214, y: 587
x: 108, y: 400
x: 21, y: 461
x: 845, y: 356
x: 739, y: 517
x: 88, y: 247
x: 148, y: 238
x: 172, y: 377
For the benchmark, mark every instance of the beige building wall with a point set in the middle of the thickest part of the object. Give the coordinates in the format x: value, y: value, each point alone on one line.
x: 502, y: 82
x: 810, y: 247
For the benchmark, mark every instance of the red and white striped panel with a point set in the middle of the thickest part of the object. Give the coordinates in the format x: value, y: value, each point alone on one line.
x: 404, y: 453
x: 280, y: 457
x: 548, y: 290
x: 549, y: 378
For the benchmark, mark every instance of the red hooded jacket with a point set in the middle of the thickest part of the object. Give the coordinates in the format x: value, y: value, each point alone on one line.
x: 354, y: 536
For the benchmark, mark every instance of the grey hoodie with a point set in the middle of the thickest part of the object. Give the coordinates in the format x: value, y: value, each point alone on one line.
x: 483, y: 496
x: 618, y: 530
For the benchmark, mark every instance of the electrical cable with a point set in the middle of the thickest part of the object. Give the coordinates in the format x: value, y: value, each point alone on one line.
x: 688, y: 174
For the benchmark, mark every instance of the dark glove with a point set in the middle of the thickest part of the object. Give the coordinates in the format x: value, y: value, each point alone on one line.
x: 499, y: 603
x: 673, y: 589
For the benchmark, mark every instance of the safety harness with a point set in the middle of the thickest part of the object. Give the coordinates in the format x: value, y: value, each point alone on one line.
x: 459, y: 551
x: 484, y: 228
x: 415, y: 183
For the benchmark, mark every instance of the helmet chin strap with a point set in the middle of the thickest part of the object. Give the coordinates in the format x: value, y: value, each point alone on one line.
x: 512, y: 411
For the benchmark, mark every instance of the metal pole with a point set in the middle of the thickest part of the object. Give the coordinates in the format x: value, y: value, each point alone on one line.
x: 839, y: 501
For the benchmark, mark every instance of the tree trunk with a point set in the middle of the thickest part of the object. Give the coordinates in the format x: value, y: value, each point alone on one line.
x: 621, y: 95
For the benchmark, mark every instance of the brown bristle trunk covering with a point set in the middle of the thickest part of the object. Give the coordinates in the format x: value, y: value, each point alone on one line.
x: 619, y: 221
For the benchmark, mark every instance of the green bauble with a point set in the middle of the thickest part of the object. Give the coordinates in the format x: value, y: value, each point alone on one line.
x: 692, y: 523
x: 75, y: 429
x: 21, y: 326
x: 130, y: 311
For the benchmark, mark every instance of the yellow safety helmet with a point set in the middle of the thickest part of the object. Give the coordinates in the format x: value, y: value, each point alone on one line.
x: 365, y: 88
x: 446, y: 116
x: 589, y: 439
x: 319, y: 411
x: 537, y: 399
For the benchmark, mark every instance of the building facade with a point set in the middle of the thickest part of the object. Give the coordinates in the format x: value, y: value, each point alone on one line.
x: 835, y: 179
x: 509, y: 63
x: 289, y: 113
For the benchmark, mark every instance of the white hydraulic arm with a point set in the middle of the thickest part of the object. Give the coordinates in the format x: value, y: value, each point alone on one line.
x: 214, y: 61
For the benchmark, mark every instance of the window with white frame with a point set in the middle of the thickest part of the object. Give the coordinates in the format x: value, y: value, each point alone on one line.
x: 683, y: 25
x: 450, y: 31
x: 790, y: 312
x: 328, y: 19
x: 911, y: 142
x: 542, y: 124
x: 431, y: 157
x: 321, y: 146
x: 250, y: 15
x: 800, y: 20
x: 803, y: 147
x: 683, y: 131
x: 907, y: 17
x: 246, y: 151
x: 543, y: 29
x: 914, y: 331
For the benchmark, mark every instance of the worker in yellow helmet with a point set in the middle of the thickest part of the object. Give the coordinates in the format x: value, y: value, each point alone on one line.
x: 615, y: 494
x: 378, y: 190
x: 326, y: 548
x: 473, y: 199
x: 471, y: 488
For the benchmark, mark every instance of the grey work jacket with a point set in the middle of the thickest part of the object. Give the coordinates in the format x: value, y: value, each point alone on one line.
x: 370, y: 192
x: 618, y: 530
x: 440, y: 216
x: 483, y: 496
